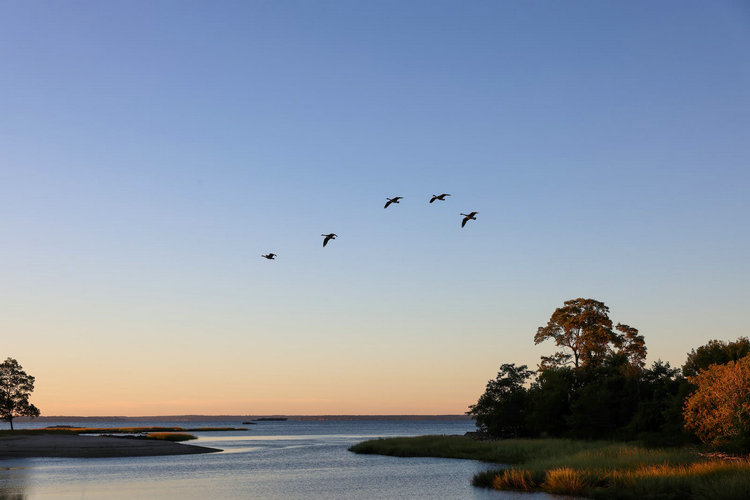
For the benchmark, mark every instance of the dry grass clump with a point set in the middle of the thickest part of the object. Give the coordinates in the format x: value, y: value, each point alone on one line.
x: 565, y: 481
x: 514, y: 479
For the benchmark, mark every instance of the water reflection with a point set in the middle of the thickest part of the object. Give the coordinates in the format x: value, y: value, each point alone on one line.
x: 13, y: 481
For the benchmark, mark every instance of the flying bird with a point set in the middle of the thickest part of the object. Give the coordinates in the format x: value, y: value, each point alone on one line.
x: 468, y: 217
x: 269, y: 256
x: 392, y: 200
x: 330, y: 236
x: 438, y: 197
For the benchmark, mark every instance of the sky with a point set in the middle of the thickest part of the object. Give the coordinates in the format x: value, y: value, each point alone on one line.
x: 151, y: 151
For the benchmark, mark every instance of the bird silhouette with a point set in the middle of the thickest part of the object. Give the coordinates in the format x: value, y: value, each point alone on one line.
x: 269, y: 256
x: 392, y: 200
x: 438, y: 197
x: 328, y: 237
x: 468, y: 217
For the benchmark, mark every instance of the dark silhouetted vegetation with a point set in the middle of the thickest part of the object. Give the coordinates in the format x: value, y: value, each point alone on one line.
x: 597, y: 386
x: 715, y: 352
x: 15, y: 388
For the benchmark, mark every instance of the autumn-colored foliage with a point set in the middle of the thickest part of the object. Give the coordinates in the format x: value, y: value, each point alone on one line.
x: 719, y: 410
x: 583, y: 331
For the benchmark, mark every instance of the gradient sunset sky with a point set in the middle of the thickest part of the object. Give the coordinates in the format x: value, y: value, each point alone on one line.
x: 151, y: 151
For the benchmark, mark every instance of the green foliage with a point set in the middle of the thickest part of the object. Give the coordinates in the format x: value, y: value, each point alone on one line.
x: 605, y: 400
x: 15, y: 388
x: 549, y: 401
x: 715, y: 352
x: 597, y: 386
x: 501, y: 410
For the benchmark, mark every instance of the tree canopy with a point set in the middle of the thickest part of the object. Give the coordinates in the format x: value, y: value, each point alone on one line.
x: 500, y: 410
x: 719, y: 410
x: 715, y: 352
x: 583, y: 330
x: 15, y: 388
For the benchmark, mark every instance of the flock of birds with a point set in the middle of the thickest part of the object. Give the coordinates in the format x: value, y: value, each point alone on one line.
x: 396, y: 199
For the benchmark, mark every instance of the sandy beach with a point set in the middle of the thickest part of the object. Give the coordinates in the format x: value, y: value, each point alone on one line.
x: 72, y: 446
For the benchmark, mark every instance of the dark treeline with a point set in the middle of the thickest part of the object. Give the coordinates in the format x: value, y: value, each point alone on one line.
x: 596, y: 386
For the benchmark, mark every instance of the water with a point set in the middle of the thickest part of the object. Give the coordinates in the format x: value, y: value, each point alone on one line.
x: 272, y: 460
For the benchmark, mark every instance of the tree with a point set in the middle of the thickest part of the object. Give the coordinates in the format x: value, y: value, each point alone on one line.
x: 15, y: 388
x: 501, y: 410
x: 719, y: 410
x: 582, y: 326
x: 631, y: 345
x: 715, y: 352
x: 550, y: 397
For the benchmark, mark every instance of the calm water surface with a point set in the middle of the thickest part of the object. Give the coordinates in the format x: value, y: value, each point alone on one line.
x: 273, y: 460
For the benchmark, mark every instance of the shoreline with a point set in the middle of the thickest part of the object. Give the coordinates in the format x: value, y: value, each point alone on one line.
x: 580, y: 468
x: 75, y: 446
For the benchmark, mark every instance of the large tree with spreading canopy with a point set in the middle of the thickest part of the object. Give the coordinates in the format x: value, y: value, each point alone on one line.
x: 583, y: 331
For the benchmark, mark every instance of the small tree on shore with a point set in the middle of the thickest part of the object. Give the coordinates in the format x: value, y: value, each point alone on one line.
x: 15, y: 388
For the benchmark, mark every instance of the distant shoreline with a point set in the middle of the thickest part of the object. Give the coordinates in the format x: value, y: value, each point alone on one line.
x: 74, y: 446
x: 214, y: 418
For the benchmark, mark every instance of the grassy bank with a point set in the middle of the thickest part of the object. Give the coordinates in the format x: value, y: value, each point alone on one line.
x: 596, y: 469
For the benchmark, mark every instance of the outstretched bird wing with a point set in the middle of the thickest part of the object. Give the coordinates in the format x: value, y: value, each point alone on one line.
x: 463, y: 223
x: 387, y: 203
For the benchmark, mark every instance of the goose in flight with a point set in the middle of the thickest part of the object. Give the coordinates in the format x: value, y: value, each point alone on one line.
x: 269, y: 256
x: 468, y: 217
x: 330, y: 236
x: 392, y: 200
x: 438, y: 197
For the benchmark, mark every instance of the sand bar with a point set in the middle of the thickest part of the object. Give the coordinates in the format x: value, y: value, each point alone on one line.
x: 73, y: 446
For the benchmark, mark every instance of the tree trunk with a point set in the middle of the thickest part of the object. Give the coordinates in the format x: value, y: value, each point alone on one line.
x: 11, y: 423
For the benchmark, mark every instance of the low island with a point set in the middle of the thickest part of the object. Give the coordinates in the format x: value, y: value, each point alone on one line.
x: 80, y: 442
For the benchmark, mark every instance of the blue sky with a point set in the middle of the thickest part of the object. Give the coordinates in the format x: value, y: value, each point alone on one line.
x: 151, y: 151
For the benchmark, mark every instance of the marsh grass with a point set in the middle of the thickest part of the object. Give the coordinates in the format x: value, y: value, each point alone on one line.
x: 505, y: 451
x: 595, y: 469
x: 564, y: 480
x: 170, y: 436
x: 513, y: 479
